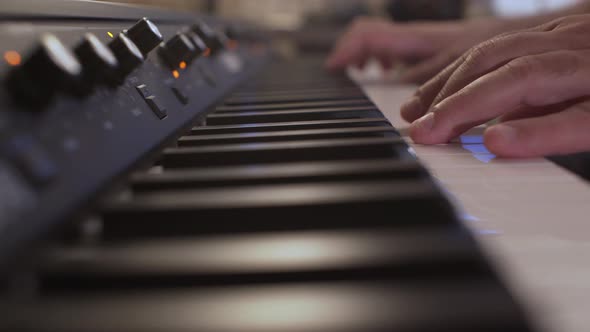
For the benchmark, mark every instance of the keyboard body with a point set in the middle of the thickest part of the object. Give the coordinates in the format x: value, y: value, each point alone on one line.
x: 272, y: 196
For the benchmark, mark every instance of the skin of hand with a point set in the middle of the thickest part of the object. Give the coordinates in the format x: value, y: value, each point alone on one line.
x: 535, y: 82
x: 426, y: 48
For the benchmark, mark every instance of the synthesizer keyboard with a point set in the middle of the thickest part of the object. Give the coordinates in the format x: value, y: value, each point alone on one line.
x: 212, y: 186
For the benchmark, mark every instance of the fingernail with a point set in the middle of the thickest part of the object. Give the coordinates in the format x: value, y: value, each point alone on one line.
x: 425, y: 123
x: 412, y: 108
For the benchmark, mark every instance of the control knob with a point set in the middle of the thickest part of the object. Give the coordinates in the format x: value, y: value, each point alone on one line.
x: 198, y: 43
x: 98, y: 61
x: 128, y: 55
x: 50, y: 68
x: 212, y: 39
x: 145, y: 35
x: 177, y: 50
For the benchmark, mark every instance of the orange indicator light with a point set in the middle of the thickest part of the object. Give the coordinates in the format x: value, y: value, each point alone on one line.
x: 207, y: 52
x: 110, y: 34
x: 13, y: 58
x: 182, y: 65
x: 176, y: 74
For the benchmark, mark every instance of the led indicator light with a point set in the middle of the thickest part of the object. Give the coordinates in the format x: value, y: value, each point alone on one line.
x: 13, y: 58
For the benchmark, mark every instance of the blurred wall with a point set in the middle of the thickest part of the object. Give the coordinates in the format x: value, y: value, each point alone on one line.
x: 173, y: 4
x: 290, y: 14
x: 284, y: 14
x: 524, y: 7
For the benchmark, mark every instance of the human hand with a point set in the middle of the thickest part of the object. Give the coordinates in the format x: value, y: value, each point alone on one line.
x: 426, y: 48
x: 535, y: 82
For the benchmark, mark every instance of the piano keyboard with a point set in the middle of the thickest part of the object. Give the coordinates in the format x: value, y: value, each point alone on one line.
x: 297, y: 207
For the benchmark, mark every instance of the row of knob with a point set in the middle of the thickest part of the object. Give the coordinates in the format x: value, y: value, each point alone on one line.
x: 52, y: 67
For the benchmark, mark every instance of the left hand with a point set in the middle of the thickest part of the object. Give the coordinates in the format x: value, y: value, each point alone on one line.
x: 536, y: 82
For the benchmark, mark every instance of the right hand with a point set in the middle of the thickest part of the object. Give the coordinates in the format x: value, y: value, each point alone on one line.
x: 534, y: 82
x: 426, y: 48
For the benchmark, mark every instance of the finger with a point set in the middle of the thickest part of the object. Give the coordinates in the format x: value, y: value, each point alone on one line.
x: 429, y: 94
x: 378, y: 39
x: 350, y: 50
x: 381, y: 54
x: 419, y: 104
x: 452, y: 79
x: 496, y: 52
x: 361, y: 61
x: 386, y: 62
x: 429, y: 68
x: 532, y: 81
x: 555, y: 134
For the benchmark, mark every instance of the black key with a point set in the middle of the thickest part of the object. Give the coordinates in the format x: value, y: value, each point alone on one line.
x: 295, y: 125
x: 295, y: 106
x: 272, y: 84
x: 293, y: 98
x: 478, y: 305
x: 278, y: 208
x: 298, y: 115
x: 282, y: 136
x: 291, y: 256
x: 298, y: 92
x: 278, y: 174
x: 296, y: 151
x: 298, y: 86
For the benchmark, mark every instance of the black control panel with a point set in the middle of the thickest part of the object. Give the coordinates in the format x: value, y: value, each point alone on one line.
x: 88, y: 91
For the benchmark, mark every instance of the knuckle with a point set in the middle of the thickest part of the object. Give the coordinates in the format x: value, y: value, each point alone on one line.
x: 445, y: 92
x: 571, y: 26
x: 555, y: 24
x: 449, y: 81
x: 440, y: 96
x: 475, y: 58
x: 569, y: 23
x: 480, y: 52
x: 523, y: 68
x: 427, y: 92
x: 486, y: 54
x: 565, y: 22
x: 420, y: 93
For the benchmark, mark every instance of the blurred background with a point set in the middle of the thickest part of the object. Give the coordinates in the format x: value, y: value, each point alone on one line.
x: 293, y: 14
x: 315, y: 24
